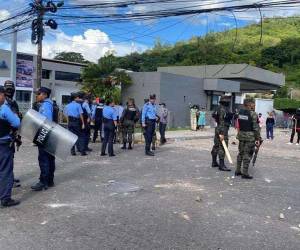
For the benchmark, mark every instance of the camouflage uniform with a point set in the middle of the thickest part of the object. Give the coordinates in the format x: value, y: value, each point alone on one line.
x: 223, y: 118
x: 249, y: 132
x: 129, y: 117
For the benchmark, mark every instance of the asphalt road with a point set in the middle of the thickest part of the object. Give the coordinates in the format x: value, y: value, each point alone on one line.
x: 172, y: 201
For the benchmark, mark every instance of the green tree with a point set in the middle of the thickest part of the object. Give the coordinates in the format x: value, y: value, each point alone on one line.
x: 104, y: 79
x: 70, y: 57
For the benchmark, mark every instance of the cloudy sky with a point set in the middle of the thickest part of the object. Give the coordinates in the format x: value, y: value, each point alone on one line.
x: 94, y: 40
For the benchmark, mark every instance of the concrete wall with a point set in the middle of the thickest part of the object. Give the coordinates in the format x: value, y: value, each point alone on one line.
x: 178, y: 92
x: 144, y: 84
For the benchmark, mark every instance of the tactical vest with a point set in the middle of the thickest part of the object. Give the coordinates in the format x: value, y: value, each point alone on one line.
x: 245, y: 120
x: 5, y: 128
x: 13, y: 105
x: 99, y: 113
x: 130, y: 113
x: 227, y: 117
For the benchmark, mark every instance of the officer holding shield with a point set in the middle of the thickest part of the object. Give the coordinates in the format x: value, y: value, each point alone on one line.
x: 46, y: 160
x: 9, y: 122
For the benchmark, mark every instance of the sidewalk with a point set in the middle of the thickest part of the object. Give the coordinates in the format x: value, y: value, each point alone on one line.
x: 181, y: 135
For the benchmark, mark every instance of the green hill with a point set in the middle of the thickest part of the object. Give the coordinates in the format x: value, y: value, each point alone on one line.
x: 279, y: 51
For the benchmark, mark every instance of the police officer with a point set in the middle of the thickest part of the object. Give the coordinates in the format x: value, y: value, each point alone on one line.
x: 223, y: 118
x: 149, y: 117
x: 98, y: 117
x: 74, y: 113
x: 9, y: 122
x: 110, y: 123
x: 248, y: 136
x: 10, y: 90
x: 46, y: 160
x: 87, y: 115
x: 128, y: 119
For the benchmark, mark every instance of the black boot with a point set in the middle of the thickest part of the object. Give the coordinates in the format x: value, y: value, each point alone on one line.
x: 247, y: 176
x: 9, y: 203
x: 130, y: 146
x: 39, y: 186
x: 214, y: 163
x: 124, y: 146
x: 223, y: 167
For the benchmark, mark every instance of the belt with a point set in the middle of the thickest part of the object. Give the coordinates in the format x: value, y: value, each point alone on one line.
x: 107, y: 120
x: 73, y: 119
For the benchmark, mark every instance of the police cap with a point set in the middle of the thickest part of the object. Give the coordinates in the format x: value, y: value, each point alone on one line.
x: 225, y: 99
x: 152, y: 97
x: 44, y: 90
x: 80, y: 94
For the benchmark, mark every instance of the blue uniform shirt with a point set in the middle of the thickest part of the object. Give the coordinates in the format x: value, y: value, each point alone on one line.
x: 7, y: 114
x: 73, y: 109
x: 110, y: 113
x: 86, y: 106
x: 149, y: 111
x: 94, y: 106
x: 46, y: 109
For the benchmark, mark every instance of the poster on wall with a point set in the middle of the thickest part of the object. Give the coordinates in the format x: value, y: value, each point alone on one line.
x: 24, y: 71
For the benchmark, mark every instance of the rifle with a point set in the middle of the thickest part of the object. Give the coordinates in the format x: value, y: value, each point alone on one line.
x: 256, y: 152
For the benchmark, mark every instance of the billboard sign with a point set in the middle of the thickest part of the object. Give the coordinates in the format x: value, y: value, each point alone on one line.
x: 24, y: 71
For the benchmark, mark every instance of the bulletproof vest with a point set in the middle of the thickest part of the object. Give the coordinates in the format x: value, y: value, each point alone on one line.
x: 227, y: 117
x: 5, y: 128
x: 245, y: 120
x: 99, y: 112
x: 130, y: 113
x: 13, y: 105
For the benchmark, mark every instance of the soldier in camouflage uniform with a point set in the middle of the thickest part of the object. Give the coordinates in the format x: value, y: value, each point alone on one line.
x: 128, y: 119
x: 248, y: 136
x: 223, y: 118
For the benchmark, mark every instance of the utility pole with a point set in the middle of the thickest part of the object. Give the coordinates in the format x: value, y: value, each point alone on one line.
x: 13, y: 57
x: 38, y: 31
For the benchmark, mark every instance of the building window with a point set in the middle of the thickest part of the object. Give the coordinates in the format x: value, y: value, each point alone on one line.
x: 46, y: 74
x: 23, y: 96
x: 65, y: 99
x: 215, y: 102
x: 67, y: 76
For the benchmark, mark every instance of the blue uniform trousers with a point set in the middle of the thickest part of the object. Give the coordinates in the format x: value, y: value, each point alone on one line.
x: 149, y: 132
x: 75, y: 128
x: 87, y: 136
x: 6, y: 171
x: 109, y: 134
x: 47, y: 166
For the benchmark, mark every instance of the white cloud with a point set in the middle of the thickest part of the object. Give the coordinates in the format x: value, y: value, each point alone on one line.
x: 4, y: 14
x: 92, y: 44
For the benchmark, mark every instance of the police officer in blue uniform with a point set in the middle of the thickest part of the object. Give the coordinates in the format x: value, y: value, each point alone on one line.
x: 10, y: 90
x: 74, y: 113
x: 9, y: 122
x: 110, y: 123
x: 98, y: 118
x: 46, y: 160
x: 149, y: 117
x: 87, y: 114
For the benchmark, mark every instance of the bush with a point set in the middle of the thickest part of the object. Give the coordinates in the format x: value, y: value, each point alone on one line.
x: 287, y: 105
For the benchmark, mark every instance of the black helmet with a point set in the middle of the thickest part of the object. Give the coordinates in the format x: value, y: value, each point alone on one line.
x: 9, y: 88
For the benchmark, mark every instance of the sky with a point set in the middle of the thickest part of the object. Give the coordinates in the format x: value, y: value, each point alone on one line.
x: 94, y: 40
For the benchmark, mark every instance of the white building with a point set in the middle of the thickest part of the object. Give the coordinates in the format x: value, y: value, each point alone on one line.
x: 60, y: 76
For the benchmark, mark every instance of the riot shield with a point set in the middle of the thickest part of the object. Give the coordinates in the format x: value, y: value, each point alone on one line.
x: 55, y: 139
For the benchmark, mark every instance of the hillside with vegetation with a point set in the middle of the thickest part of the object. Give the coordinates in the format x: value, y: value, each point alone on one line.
x: 278, y: 49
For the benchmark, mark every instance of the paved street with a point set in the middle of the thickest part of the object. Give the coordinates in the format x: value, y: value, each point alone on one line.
x: 172, y: 201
